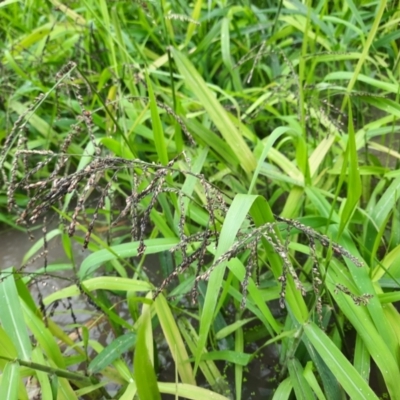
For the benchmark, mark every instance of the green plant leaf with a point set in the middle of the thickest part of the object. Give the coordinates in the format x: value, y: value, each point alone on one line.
x: 11, y: 317
x: 43, y: 378
x: 228, y: 355
x: 10, y: 382
x: 106, y: 283
x: 216, y: 112
x: 211, y: 372
x: 284, y: 389
x: 145, y: 377
x: 300, y: 384
x: 158, y: 132
x: 272, y: 138
x: 43, y: 336
x: 112, y: 352
x: 174, y: 340
x: 189, y: 391
x: 346, y: 374
x: 354, y: 182
x: 153, y: 246
x: 233, y: 221
x: 380, y: 212
x: 224, y: 332
x: 312, y: 381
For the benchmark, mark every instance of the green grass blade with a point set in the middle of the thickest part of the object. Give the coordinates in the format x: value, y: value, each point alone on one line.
x: 332, y: 388
x: 125, y: 250
x: 12, y: 319
x: 261, y: 214
x: 183, y: 390
x: 112, y: 352
x: 130, y: 392
x: 378, y: 339
x: 10, y: 382
x: 174, y: 340
x: 224, y: 332
x: 106, y: 283
x: 360, y: 275
x: 354, y: 188
x: 158, y: 132
x: 371, y: 36
x: 284, y: 389
x: 145, y: 376
x: 300, y: 384
x: 43, y: 336
x: 362, y: 359
x: 380, y: 212
x: 209, y: 369
x: 272, y: 138
x: 214, y: 141
x: 234, y: 219
x: 346, y: 374
x: 43, y: 377
x: 235, y: 357
x: 312, y: 381
x: 195, y: 17
x: 239, y: 349
x: 7, y: 348
x: 216, y: 112
x: 238, y: 269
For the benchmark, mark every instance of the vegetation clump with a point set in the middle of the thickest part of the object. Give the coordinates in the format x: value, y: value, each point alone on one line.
x: 237, y: 144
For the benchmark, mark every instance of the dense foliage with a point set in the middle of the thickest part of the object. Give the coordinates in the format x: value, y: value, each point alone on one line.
x: 251, y: 146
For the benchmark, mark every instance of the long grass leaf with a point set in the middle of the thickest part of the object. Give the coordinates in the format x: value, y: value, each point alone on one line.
x: 196, y: 13
x: 43, y: 336
x: 345, y: 373
x: 354, y: 182
x: 360, y: 275
x: 106, y: 283
x: 362, y: 359
x: 272, y: 138
x: 378, y: 346
x: 10, y: 382
x: 261, y: 214
x: 112, y: 352
x: 145, y: 376
x: 239, y: 349
x: 174, y: 340
x: 371, y: 36
x: 234, y: 219
x: 158, y: 131
x: 300, y: 384
x: 284, y: 390
x: 380, y: 212
x: 124, y: 251
x: 216, y: 112
x: 312, y: 381
x: 209, y: 369
x: 11, y: 317
x: 238, y: 269
x: 189, y: 391
x: 43, y: 378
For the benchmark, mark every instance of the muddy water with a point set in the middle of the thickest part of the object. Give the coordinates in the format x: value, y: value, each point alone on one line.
x: 13, y: 250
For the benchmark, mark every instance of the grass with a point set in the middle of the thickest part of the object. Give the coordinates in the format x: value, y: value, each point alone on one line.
x: 247, y: 145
